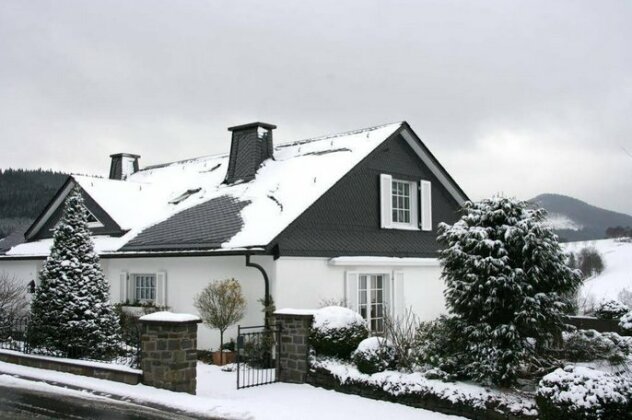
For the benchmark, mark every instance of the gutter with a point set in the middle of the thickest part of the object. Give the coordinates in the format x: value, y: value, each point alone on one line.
x: 266, y: 280
x: 151, y: 254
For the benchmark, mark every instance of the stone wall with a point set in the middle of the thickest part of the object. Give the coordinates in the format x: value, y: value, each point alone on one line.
x: 294, y: 349
x: 169, y: 354
x: 592, y: 323
x: 77, y: 367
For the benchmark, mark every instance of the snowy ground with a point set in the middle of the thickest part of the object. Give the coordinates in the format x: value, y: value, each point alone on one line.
x: 217, y: 396
x: 617, y: 275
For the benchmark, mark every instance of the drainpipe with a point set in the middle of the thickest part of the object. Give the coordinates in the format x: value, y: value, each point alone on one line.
x: 266, y: 280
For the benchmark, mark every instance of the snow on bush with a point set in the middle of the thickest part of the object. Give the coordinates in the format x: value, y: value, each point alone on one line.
x: 590, y: 345
x: 625, y: 323
x: 374, y: 354
x: 418, y: 386
x: 337, y: 331
x: 583, y: 393
x: 611, y: 309
x: 506, y: 283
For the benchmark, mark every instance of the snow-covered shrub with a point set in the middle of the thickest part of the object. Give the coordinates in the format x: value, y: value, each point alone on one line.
x: 583, y: 393
x: 625, y: 323
x: 439, y: 344
x: 506, y: 282
x: 374, y: 354
x: 611, y: 309
x: 337, y: 331
x: 590, y: 345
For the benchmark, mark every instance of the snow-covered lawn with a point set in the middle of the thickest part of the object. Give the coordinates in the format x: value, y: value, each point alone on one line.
x: 218, y: 396
x: 617, y: 256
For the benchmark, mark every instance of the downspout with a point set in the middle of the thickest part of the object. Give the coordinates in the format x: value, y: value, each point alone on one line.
x: 266, y: 280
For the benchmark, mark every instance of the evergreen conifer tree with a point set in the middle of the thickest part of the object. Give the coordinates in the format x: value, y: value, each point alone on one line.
x: 71, y: 312
x: 506, y: 286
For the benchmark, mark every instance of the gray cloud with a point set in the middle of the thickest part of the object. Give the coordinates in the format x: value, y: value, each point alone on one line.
x: 513, y: 97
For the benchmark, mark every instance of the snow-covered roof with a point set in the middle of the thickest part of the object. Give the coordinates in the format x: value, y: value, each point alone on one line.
x: 165, y: 207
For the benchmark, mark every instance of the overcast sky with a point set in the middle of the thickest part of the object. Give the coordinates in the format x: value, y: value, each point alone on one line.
x: 514, y: 97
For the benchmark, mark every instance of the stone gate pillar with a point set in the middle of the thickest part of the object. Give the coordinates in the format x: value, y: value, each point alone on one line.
x: 169, y: 351
x: 294, y: 347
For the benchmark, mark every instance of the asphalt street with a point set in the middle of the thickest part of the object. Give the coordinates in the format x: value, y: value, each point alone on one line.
x: 20, y: 403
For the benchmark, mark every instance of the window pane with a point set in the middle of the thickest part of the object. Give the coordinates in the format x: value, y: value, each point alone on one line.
x: 362, y: 282
x: 363, y: 298
x: 379, y: 281
x: 379, y: 296
x: 363, y: 311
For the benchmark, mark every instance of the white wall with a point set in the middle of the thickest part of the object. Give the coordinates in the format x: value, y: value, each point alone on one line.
x: 187, y: 276
x: 303, y: 283
x: 23, y: 270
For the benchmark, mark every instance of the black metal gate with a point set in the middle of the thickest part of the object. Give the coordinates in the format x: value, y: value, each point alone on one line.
x: 257, y: 355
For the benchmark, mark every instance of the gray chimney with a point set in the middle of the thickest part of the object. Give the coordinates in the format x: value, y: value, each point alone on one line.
x: 251, y: 144
x: 123, y: 165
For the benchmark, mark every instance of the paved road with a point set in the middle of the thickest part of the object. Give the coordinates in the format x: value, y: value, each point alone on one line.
x: 19, y: 403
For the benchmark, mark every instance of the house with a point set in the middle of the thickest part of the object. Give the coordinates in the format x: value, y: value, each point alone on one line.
x: 349, y: 217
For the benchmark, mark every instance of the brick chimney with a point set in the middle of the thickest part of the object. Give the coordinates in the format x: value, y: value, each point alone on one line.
x: 251, y: 144
x: 123, y: 165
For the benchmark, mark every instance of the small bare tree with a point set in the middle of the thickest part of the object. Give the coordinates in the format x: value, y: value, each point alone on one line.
x: 221, y: 304
x: 12, y: 301
x: 400, y: 331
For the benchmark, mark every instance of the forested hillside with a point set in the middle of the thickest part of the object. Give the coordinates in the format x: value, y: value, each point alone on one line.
x: 23, y: 194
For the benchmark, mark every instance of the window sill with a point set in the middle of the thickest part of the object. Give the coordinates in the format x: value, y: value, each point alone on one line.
x: 397, y: 226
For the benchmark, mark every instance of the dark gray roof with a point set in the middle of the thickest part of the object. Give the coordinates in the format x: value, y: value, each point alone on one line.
x: 204, y: 226
x: 15, y: 238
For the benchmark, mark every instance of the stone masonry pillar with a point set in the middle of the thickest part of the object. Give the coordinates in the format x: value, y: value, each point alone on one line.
x: 169, y: 351
x: 294, y: 348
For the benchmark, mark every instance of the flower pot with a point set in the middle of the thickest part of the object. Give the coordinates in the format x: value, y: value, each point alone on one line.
x: 229, y: 357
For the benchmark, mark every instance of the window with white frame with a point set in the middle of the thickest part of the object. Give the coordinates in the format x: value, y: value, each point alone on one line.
x: 402, y: 203
x: 405, y: 204
x: 371, y: 300
x: 144, y: 287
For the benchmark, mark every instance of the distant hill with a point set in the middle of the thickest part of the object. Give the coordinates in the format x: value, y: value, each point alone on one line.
x: 576, y: 220
x: 23, y: 195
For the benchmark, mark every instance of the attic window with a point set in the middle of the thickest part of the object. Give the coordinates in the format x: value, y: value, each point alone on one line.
x: 188, y: 193
x: 93, y: 222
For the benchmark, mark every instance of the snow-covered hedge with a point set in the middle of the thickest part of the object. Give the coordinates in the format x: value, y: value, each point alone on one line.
x: 583, y: 393
x: 625, y: 323
x: 589, y: 345
x: 374, y: 354
x: 337, y: 331
x: 419, y: 391
x: 611, y: 309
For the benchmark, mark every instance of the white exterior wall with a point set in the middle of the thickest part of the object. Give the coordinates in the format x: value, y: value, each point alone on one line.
x: 187, y: 276
x: 304, y: 283
x: 21, y: 270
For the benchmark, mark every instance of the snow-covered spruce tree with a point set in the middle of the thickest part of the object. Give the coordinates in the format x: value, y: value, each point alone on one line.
x: 506, y: 286
x: 71, y: 312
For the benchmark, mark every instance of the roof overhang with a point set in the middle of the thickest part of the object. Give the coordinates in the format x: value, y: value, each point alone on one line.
x: 433, y: 164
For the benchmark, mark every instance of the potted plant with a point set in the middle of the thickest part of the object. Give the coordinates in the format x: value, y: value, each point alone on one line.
x: 221, y: 304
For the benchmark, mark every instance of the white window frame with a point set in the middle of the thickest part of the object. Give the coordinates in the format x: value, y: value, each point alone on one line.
x: 413, y: 223
x: 369, y: 291
x: 145, y: 276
